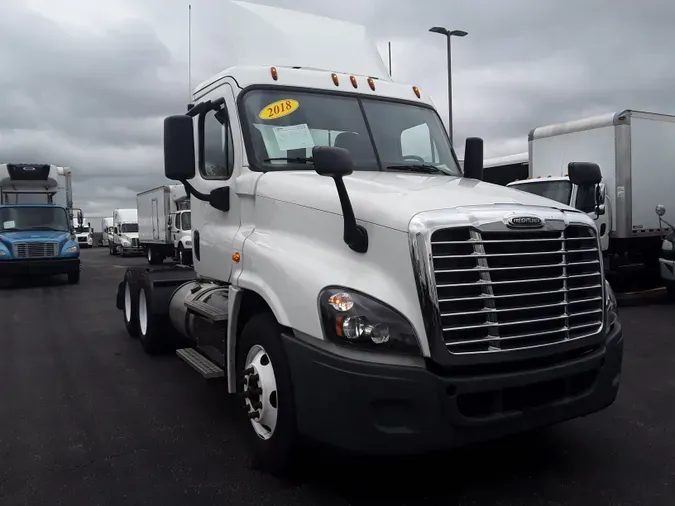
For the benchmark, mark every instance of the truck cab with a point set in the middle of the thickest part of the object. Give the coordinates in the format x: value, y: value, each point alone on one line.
x: 180, y: 224
x: 106, y: 231
x: 82, y: 229
x: 37, y: 239
x: 125, y: 233
x: 667, y: 258
x: 352, y: 283
x: 562, y: 190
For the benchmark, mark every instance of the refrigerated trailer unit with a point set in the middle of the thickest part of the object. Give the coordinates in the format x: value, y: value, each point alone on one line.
x: 164, y: 224
x: 636, y: 153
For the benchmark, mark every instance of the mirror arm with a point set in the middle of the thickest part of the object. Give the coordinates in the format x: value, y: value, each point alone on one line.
x: 355, y: 236
x: 190, y: 190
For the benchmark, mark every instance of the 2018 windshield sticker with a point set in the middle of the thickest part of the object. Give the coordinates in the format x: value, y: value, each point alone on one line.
x: 279, y: 109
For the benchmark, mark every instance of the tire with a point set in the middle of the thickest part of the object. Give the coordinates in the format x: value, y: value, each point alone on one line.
x: 130, y: 311
x: 155, y: 332
x: 74, y: 277
x: 275, y: 449
x: 110, y: 250
x: 181, y: 255
x: 153, y: 257
x: 670, y: 287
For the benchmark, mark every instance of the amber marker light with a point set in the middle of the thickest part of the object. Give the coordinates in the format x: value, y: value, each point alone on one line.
x: 236, y: 257
x: 273, y: 71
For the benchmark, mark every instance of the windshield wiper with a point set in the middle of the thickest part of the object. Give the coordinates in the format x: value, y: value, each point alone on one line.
x: 40, y: 227
x: 296, y: 159
x: 424, y: 168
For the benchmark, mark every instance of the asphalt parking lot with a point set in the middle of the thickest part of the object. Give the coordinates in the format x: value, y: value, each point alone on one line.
x: 86, y: 418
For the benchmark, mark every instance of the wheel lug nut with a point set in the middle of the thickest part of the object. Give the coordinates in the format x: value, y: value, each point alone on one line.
x: 253, y: 414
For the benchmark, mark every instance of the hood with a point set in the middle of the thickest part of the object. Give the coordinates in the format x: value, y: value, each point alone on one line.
x: 391, y: 199
x: 129, y: 235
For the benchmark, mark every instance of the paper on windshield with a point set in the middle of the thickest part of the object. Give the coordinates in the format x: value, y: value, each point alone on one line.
x: 9, y: 224
x: 293, y: 137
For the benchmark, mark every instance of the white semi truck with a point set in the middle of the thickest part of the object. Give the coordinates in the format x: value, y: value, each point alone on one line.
x: 125, y: 233
x: 82, y: 229
x: 636, y: 155
x: 164, y: 224
x: 360, y: 294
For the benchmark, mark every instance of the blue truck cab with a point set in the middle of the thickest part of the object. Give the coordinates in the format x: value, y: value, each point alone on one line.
x: 37, y: 239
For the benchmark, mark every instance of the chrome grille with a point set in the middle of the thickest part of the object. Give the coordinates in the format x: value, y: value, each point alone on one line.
x: 134, y: 242
x: 35, y: 249
x: 82, y: 239
x: 510, y: 290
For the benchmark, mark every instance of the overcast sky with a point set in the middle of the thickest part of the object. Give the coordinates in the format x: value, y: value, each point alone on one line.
x: 86, y: 84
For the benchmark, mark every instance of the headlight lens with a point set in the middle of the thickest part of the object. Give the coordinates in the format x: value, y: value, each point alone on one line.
x: 667, y: 245
x: 353, y: 319
x: 611, y: 305
x: 2, y: 252
x: 125, y: 243
x: 73, y: 249
x: 188, y: 243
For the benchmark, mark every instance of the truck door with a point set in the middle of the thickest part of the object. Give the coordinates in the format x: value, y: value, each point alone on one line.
x: 219, y: 148
x: 175, y: 229
x: 585, y: 201
x: 155, y: 220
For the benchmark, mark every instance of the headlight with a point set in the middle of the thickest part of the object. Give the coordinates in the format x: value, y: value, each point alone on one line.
x: 188, y: 243
x: 667, y: 245
x: 353, y: 319
x: 2, y: 253
x: 611, y: 306
x: 126, y: 243
x: 72, y: 249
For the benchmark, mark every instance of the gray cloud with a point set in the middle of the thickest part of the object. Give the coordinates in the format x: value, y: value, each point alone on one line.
x: 94, y: 99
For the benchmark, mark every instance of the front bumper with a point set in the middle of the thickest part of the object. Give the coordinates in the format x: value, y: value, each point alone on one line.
x: 667, y: 269
x: 380, y: 409
x: 38, y: 266
x: 132, y: 250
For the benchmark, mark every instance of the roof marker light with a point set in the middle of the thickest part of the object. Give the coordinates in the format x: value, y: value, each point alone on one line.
x: 273, y: 71
x: 353, y: 80
x: 417, y: 91
x: 336, y: 81
x: 371, y: 83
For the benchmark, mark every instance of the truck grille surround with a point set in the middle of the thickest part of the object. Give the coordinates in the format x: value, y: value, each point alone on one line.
x: 489, y: 289
x: 35, y: 249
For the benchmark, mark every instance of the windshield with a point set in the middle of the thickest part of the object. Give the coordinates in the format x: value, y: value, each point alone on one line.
x: 284, y: 126
x: 186, y: 221
x: 128, y: 228
x: 33, y: 218
x: 560, y: 191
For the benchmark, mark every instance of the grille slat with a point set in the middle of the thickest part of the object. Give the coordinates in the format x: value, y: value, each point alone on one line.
x: 511, y: 290
x: 35, y: 249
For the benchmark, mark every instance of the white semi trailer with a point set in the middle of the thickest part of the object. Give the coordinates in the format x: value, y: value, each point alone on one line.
x: 357, y: 293
x: 164, y: 224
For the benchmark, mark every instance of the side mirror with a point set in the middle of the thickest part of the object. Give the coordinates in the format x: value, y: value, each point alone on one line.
x: 179, y: 147
x: 473, y: 158
x: 660, y: 210
x: 336, y: 163
x: 332, y: 162
x: 169, y: 221
x: 584, y: 173
x: 602, y: 194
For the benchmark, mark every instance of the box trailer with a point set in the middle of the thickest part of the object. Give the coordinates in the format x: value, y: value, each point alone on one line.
x: 164, y: 224
x: 636, y: 154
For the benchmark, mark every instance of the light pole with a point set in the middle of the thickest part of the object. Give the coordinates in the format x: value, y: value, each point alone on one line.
x: 449, y: 34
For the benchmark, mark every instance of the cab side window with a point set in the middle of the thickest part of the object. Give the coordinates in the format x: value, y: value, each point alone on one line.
x: 216, y: 152
x: 176, y: 224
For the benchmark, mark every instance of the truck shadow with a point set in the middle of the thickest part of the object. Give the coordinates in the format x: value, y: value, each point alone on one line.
x: 30, y: 282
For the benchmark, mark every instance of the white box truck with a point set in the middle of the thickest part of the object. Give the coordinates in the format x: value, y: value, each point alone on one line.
x: 125, y: 233
x: 356, y: 293
x: 636, y: 153
x: 164, y: 224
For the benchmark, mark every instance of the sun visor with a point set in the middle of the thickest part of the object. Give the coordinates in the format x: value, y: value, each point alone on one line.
x: 262, y: 35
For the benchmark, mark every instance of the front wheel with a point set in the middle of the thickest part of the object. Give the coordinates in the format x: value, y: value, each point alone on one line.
x: 268, y: 394
x: 74, y: 277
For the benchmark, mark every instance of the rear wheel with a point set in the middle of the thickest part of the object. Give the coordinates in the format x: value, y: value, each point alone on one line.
x: 154, y: 330
x: 154, y: 258
x: 268, y: 395
x: 181, y: 254
x: 130, y: 312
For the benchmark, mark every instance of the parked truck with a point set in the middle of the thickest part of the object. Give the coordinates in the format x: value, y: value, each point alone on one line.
x: 164, y: 224
x: 667, y: 259
x: 636, y: 155
x: 82, y: 229
x: 36, y: 236
x: 125, y: 233
x: 106, y: 232
x: 352, y: 293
